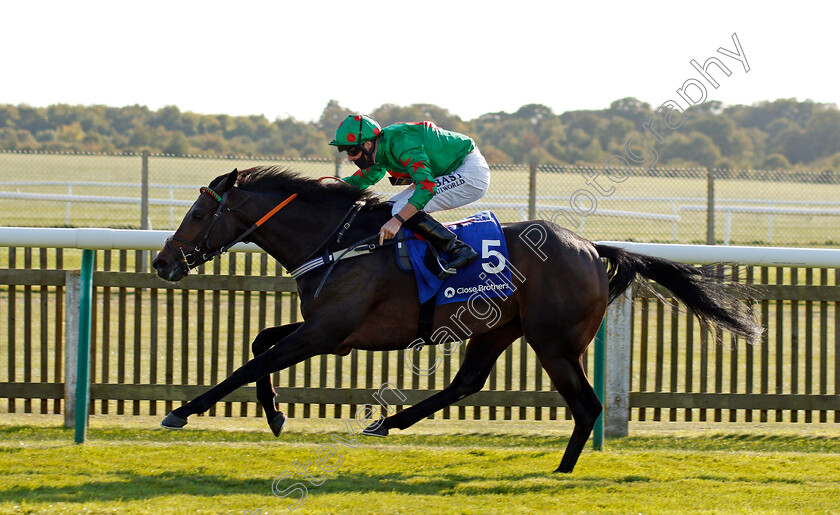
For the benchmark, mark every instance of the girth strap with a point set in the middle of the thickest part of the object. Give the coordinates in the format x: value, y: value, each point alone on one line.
x: 425, y: 323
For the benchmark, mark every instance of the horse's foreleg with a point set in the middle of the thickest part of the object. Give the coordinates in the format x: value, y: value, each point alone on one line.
x: 292, y: 350
x: 482, y: 352
x: 265, y: 390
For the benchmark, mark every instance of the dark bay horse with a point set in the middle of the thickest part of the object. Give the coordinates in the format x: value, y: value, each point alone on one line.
x: 562, y: 287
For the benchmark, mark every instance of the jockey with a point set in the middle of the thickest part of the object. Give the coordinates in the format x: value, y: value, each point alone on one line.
x: 444, y: 170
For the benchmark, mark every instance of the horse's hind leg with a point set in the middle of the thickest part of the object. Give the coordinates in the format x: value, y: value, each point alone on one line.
x: 569, y: 378
x: 482, y: 352
x: 265, y: 390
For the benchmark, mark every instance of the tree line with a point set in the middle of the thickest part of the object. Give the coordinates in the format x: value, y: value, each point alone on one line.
x: 779, y: 134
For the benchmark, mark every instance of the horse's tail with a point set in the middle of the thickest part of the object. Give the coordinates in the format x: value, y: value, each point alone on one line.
x: 703, y: 291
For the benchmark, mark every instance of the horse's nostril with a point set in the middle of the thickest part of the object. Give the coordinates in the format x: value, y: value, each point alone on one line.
x: 159, y: 264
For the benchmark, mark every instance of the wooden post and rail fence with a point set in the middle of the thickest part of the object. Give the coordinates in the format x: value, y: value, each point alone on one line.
x: 155, y: 344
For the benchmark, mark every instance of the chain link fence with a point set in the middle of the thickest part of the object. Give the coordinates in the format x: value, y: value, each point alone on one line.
x: 668, y: 205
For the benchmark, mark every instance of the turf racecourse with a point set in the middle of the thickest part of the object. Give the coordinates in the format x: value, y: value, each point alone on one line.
x: 222, y: 465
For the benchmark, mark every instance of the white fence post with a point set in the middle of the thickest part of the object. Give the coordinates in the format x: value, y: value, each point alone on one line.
x: 72, y: 298
x: 69, y: 201
x: 617, y: 367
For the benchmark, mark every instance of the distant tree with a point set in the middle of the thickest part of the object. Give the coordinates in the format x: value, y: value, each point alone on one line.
x: 491, y: 118
x: 632, y: 109
x: 758, y: 142
x: 214, y: 143
x: 588, y: 121
x: 63, y: 114
x: 793, y: 144
x: 71, y: 135
x: 721, y: 130
x: 47, y: 136
x: 140, y: 138
x: 20, y: 140
x: 694, y: 148
x: 710, y: 108
x: 702, y: 150
x: 780, y: 125
x: 243, y: 127
x: 579, y: 138
x: 823, y: 134
x: 534, y: 113
x: 32, y: 119
x: 177, y: 145
x: 442, y: 117
x: 169, y: 118
x: 617, y: 131
x: 331, y: 117
x: 594, y: 153
x: 725, y: 163
x: 190, y: 123
x: 494, y: 155
x: 553, y: 137
x: 209, y: 125
x: 93, y: 120
x: 538, y: 156
x: 388, y: 114
x: 775, y: 162
x: 761, y: 114
x: 9, y: 116
x: 95, y: 142
x: 125, y: 119
x: 784, y: 132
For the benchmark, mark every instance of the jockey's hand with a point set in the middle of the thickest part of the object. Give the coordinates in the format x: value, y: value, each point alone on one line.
x: 389, y: 230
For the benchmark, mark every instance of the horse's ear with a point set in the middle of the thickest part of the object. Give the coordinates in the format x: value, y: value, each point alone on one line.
x: 230, y: 180
x: 223, y: 183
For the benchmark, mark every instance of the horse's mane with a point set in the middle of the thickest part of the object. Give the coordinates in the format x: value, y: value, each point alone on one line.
x: 324, y: 193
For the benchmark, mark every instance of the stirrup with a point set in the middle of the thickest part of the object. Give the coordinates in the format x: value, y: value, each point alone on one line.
x: 444, y: 271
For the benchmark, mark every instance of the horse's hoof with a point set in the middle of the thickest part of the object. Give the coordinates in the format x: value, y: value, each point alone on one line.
x: 376, y: 429
x: 173, y: 421
x: 277, y: 423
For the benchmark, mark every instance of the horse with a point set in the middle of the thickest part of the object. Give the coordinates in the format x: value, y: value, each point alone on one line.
x: 563, y: 286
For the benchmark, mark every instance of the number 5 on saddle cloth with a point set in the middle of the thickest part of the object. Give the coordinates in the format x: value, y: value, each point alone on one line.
x: 488, y: 277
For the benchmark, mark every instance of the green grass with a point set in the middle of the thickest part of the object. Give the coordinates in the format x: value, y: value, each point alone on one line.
x: 228, y: 465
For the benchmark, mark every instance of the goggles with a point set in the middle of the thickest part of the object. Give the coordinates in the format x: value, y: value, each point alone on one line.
x: 352, y: 150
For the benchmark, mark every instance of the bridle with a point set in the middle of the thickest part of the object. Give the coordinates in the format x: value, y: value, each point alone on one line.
x: 201, y: 252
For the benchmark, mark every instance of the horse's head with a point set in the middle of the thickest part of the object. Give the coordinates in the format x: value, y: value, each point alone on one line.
x: 207, y: 230
x: 235, y: 205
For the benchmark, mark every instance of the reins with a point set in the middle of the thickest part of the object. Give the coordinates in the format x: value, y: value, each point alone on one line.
x: 341, y: 228
x: 360, y: 248
x: 259, y: 222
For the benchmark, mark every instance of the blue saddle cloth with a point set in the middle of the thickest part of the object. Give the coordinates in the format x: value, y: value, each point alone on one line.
x: 488, y: 277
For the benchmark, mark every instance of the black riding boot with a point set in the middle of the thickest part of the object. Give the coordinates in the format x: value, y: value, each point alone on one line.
x: 442, y: 239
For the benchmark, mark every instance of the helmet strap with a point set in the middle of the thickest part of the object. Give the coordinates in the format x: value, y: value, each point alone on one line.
x: 369, y: 153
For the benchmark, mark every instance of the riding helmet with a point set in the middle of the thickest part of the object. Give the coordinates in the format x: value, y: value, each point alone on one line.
x: 354, y: 130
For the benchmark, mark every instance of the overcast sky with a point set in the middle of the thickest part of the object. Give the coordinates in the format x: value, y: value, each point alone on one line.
x: 285, y: 59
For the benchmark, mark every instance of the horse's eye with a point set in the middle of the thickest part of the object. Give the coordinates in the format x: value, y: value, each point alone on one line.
x: 198, y: 215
